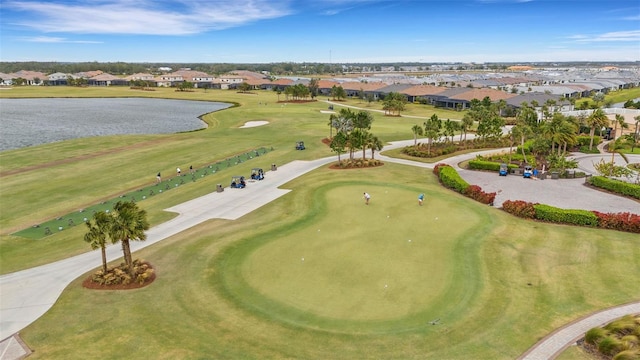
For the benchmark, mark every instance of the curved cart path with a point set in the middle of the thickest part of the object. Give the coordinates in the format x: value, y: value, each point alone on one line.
x: 26, y: 295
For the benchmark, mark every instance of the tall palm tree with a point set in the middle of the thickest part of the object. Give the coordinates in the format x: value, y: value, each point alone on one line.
x: 613, y: 145
x: 98, y: 234
x: 417, y: 131
x: 333, y: 121
x: 129, y: 223
x: 432, y: 130
x: 597, y: 120
x: 374, y: 144
x: 560, y: 131
x: 465, y: 125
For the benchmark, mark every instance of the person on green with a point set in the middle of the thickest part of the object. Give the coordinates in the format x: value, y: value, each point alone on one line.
x: 420, y: 199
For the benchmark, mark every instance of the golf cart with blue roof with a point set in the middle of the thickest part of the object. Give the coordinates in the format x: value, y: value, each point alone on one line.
x: 237, y: 182
x: 257, y: 174
x: 504, y: 169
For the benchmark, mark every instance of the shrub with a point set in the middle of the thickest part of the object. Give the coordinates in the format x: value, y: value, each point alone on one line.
x: 476, y: 193
x: 520, y: 208
x: 619, y: 221
x: 630, y: 341
x: 488, y: 165
x: 623, y: 326
x: 452, y: 180
x: 609, y: 346
x: 594, y: 335
x: 585, y: 150
x: 627, y: 355
x: 565, y: 216
x: 119, y: 275
x: 586, y: 140
x: 617, y: 186
x: 436, y: 169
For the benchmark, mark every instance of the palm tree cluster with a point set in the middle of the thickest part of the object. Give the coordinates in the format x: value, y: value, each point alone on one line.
x: 297, y: 92
x: 353, y: 133
x: 393, y: 103
x: 127, y: 222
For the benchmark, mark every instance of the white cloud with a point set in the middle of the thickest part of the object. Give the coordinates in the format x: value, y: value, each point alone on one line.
x: 614, y: 36
x: 145, y: 17
x: 51, y: 39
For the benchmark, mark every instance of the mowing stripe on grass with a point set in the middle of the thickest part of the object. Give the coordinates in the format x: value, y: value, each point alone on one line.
x: 39, y: 231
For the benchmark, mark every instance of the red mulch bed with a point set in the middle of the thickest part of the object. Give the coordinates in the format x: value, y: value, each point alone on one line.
x: 338, y: 167
x: 89, y: 284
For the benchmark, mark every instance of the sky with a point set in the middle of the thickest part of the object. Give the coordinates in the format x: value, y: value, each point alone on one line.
x: 319, y: 31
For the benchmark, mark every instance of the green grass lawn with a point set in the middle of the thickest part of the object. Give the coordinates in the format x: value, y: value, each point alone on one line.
x: 240, y: 289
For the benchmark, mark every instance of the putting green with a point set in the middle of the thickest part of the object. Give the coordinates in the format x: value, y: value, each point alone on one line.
x: 387, y: 266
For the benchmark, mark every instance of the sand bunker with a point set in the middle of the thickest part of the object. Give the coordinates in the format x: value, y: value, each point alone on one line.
x: 250, y: 124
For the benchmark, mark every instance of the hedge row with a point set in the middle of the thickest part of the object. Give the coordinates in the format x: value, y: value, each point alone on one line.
x: 586, y: 140
x: 488, y: 165
x: 614, y: 221
x: 616, y: 186
x: 450, y: 178
x: 565, y: 216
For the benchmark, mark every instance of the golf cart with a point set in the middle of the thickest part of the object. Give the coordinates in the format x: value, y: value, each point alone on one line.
x: 257, y: 174
x: 504, y: 169
x: 237, y: 182
x: 528, y: 171
x: 300, y: 145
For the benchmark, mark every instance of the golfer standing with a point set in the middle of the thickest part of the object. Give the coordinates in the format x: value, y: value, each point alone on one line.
x: 420, y: 199
x: 366, y: 198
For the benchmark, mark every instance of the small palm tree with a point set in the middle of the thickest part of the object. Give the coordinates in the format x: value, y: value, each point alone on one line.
x: 374, y: 144
x: 129, y: 223
x: 598, y: 119
x: 417, y: 131
x: 98, y: 234
x: 614, y: 146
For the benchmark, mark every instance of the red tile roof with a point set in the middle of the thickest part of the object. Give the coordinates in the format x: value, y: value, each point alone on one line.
x: 480, y: 94
x: 421, y: 90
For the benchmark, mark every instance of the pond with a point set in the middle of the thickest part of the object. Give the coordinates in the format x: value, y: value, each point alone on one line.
x: 29, y: 122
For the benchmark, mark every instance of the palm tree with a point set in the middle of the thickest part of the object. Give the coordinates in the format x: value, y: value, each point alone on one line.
x: 417, y: 131
x: 597, y: 120
x: 432, y: 130
x: 465, y: 125
x: 98, y: 234
x: 345, y: 120
x: 129, y: 223
x: 333, y: 122
x: 374, y: 144
x: 613, y: 145
x: 560, y: 131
